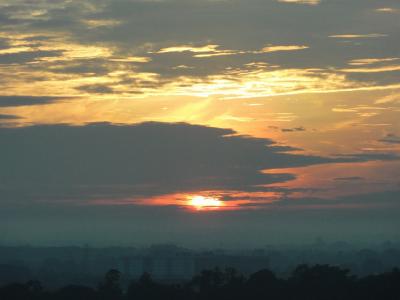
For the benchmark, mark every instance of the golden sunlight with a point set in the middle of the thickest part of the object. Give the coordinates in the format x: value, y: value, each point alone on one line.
x: 204, y: 203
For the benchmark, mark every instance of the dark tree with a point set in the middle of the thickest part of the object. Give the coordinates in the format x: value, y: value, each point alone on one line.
x: 263, y: 285
x: 147, y: 289
x: 320, y: 282
x: 384, y: 286
x: 110, y: 287
x: 15, y: 291
x: 75, y: 292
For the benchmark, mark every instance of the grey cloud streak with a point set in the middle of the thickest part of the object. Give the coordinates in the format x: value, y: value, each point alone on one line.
x: 12, y: 101
x: 106, y: 161
x: 391, y: 139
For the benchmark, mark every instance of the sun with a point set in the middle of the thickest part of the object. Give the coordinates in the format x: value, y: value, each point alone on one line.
x: 204, y: 203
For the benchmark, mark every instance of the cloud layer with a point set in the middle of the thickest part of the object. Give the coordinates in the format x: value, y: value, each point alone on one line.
x: 104, y: 161
x: 198, y: 48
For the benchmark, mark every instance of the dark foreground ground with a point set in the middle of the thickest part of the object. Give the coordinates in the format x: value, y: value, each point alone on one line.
x: 305, y: 282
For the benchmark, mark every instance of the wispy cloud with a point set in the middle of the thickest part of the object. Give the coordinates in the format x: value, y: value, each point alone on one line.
x: 276, y: 48
x: 370, y: 61
x: 309, y: 2
x: 388, y: 10
x: 392, y: 68
x: 96, y: 23
x: 358, y: 36
x: 213, y: 50
x: 189, y: 48
x: 200, y: 51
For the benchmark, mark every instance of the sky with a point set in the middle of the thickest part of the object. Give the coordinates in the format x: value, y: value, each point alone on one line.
x: 219, y: 123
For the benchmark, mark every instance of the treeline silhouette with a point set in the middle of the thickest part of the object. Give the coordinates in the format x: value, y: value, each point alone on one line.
x: 306, y: 282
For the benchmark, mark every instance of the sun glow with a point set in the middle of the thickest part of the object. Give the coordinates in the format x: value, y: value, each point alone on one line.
x: 204, y: 203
